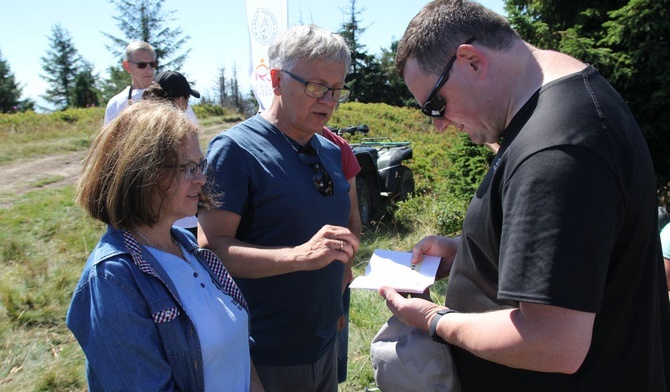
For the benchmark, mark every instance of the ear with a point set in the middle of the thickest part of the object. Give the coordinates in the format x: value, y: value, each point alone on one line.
x: 476, y: 59
x: 125, y: 66
x: 276, y: 77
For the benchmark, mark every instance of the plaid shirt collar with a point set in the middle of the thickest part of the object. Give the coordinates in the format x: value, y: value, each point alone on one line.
x: 228, y: 285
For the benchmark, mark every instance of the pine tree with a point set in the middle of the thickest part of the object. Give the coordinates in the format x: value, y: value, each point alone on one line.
x: 221, y: 88
x: 235, y: 93
x: 397, y: 93
x: 84, y: 91
x: 60, y: 66
x: 10, y: 91
x: 351, y: 32
x: 372, y: 78
x: 145, y: 20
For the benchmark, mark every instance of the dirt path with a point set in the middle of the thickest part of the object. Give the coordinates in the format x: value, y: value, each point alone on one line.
x: 52, y: 171
x: 46, y: 172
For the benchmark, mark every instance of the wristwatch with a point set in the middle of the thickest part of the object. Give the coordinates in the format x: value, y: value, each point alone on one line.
x: 433, y: 325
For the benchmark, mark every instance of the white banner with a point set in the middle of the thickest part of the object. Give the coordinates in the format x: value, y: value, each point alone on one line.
x: 266, y: 19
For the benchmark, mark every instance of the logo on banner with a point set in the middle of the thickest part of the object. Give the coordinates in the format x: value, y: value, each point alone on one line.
x: 264, y: 26
x: 262, y: 72
x: 262, y: 79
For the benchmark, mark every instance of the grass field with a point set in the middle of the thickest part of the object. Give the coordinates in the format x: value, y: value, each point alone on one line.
x: 45, y: 240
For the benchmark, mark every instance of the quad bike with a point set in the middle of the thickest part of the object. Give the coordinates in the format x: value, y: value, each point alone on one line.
x: 383, y: 177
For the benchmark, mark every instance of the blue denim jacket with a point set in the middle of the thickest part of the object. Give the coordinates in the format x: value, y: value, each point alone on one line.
x: 127, y: 316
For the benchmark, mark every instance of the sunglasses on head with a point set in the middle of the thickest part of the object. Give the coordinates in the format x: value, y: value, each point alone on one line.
x: 436, y: 105
x: 320, y: 177
x: 142, y: 64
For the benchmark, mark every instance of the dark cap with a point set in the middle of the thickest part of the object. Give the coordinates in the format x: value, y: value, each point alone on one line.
x: 175, y: 84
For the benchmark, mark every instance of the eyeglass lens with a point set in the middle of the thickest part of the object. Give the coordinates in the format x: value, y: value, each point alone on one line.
x: 191, y: 169
x: 320, y: 177
x: 435, y: 107
x: 317, y: 90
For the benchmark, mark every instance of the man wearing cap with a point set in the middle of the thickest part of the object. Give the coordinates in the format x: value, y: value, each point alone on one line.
x: 140, y: 63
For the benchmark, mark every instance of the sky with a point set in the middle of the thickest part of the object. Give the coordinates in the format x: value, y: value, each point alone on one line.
x: 218, y: 31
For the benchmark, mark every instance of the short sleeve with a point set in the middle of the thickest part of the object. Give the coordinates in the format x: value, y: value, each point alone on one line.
x: 350, y: 165
x: 557, y: 229
x: 228, y: 174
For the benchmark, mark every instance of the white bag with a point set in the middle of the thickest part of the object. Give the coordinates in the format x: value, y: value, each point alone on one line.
x: 406, y: 359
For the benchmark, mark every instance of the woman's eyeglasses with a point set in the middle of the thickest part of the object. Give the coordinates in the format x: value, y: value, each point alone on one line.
x: 436, y: 105
x: 317, y: 90
x: 192, y: 169
x: 320, y: 177
x: 142, y: 64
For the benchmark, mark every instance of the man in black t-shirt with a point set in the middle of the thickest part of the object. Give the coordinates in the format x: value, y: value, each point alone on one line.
x: 557, y: 280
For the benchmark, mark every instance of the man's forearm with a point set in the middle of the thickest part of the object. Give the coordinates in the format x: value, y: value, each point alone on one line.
x: 542, y: 340
x: 247, y: 261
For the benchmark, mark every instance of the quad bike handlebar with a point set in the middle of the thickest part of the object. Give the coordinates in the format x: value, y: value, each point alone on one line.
x: 364, y: 129
x: 378, y: 142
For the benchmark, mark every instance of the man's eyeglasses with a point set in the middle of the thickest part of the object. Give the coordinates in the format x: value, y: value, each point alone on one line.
x: 436, y: 105
x: 317, y: 90
x: 320, y: 177
x: 142, y: 64
x: 192, y: 169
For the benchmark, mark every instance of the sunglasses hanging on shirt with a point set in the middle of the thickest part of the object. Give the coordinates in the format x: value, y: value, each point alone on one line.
x: 320, y: 177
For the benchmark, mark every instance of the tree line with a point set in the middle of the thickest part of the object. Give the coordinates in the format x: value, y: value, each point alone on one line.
x: 626, y: 40
x: 73, y: 83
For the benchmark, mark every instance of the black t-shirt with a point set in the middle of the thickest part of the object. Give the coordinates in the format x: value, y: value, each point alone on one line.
x: 566, y: 216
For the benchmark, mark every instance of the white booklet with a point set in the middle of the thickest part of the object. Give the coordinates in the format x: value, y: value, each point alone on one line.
x: 394, y: 269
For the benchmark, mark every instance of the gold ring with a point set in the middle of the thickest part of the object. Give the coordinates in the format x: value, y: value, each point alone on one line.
x: 341, y: 245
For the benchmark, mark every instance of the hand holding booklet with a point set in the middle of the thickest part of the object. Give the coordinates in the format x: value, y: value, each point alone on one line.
x: 394, y: 269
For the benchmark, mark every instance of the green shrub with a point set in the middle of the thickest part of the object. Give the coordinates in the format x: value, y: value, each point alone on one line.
x: 206, y: 110
x: 434, y: 213
x: 51, y: 123
x: 68, y: 116
x: 418, y: 211
x: 450, y: 215
x: 468, y: 166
